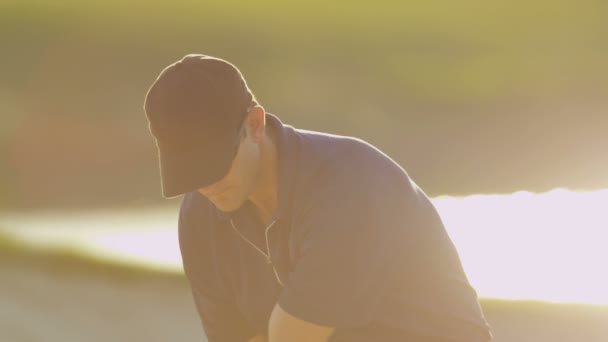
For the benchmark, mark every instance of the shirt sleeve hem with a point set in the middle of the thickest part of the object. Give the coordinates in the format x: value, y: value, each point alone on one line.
x: 306, y: 310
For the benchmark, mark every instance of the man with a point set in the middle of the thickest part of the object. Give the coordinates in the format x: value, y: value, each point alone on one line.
x: 295, y: 235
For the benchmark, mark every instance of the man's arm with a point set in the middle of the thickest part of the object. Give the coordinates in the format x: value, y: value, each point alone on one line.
x: 286, y: 327
x: 349, y: 248
x: 221, y: 320
x: 258, y: 338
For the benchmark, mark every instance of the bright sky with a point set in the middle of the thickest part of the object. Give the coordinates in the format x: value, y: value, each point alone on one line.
x: 550, y: 246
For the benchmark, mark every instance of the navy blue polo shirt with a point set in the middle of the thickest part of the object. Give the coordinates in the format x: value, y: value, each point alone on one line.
x: 356, y: 245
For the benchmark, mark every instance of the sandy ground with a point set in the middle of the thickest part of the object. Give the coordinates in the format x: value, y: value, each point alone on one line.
x: 44, y: 298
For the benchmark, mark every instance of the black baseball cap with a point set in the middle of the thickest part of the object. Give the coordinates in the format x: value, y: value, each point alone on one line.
x: 195, y: 109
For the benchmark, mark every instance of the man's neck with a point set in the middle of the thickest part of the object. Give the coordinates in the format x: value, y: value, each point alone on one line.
x: 265, y: 193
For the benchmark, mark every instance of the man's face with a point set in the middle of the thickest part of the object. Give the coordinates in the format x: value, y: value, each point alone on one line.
x: 229, y: 193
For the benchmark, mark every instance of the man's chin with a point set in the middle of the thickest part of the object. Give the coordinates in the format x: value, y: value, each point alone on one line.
x: 227, y: 207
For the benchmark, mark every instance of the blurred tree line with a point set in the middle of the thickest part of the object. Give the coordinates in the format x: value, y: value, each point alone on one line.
x: 467, y: 96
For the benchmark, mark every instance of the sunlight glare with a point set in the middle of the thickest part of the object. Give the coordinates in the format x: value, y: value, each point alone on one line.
x: 549, y: 246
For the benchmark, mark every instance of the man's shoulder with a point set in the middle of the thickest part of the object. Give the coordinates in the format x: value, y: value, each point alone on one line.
x: 341, y: 169
x: 325, y: 143
x: 340, y: 156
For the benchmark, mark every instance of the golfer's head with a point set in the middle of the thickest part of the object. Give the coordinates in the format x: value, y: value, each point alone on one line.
x: 230, y: 192
x: 205, y: 121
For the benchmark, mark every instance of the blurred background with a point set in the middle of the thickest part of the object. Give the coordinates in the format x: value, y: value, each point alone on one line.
x: 498, y: 110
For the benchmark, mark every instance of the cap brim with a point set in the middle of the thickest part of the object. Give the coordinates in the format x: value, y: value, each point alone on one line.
x: 183, y: 171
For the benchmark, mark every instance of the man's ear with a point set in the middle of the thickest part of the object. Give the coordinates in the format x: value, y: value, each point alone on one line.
x: 256, y: 123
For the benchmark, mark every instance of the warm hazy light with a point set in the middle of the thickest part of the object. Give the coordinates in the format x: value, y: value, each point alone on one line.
x: 549, y: 246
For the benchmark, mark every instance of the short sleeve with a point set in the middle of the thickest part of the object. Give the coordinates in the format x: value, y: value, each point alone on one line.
x: 221, y: 320
x: 347, y: 254
x: 219, y: 315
